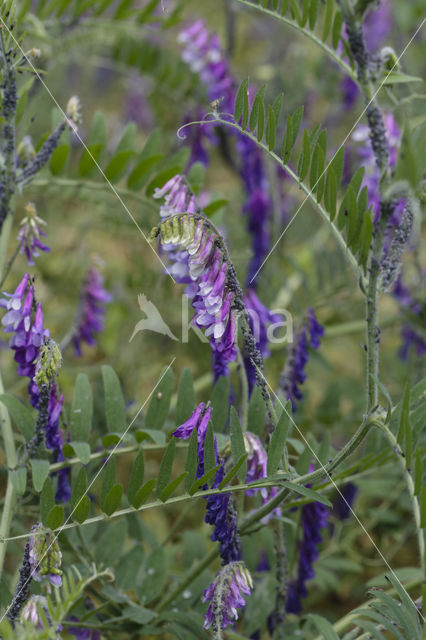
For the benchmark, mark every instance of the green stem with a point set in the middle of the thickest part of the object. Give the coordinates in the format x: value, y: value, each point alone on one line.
x: 10, y: 498
x: 402, y: 460
x: 309, y: 34
x: 244, y: 389
x: 4, y: 244
x: 95, y: 186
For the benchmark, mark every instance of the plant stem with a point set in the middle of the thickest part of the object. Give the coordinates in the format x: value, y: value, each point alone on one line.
x: 244, y: 389
x: 402, y: 460
x: 10, y: 498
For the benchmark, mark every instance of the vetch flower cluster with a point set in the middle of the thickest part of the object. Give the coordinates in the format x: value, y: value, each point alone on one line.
x: 225, y: 595
x: 208, y: 270
x: 293, y: 375
x: 45, y: 557
x: 24, y: 318
x: 314, y: 518
x: 220, y: 512
x: 30, y: 233
x: 91, y: 311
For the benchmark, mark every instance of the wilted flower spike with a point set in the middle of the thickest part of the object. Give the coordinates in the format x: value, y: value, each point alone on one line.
x: 31, y: 611
x: 91, y: 311
x: 225, y: 595
x: 30, y: 233
x: 48, y: 363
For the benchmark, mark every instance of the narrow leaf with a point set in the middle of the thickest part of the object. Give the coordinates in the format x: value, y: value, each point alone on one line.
x: 160, y: 401
x: 82, y: 409
x: 136, y: 476
x: 55, y: 517
x: 278, y: 440
x: 166, y: 467
x: 241, y: 104
x: 113, y: 499
x: 191, y: 460
x: 306, y: 492
x: 18, y: 477
x: 144, y: 493
x: 209, y: 449
x: 167, y: 492
x: 40, y: 471
x: 237, y: 443
x: 21, y: 415
x: 204, y: 479
x: 186, y: 397
x: 233, y: 471
x: 115, y: 409
x: 270, y: 129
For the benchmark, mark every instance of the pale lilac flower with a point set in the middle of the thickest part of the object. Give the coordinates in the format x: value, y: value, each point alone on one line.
x: 30, y: 234
x: 225, y: 595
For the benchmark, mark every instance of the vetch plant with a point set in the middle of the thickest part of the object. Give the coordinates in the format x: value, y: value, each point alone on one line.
x: 277, y: 490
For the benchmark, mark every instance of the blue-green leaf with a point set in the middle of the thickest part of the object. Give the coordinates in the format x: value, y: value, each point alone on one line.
x: 115, y: 409
x: 278, y: 440
x: 21, y: 415
x: 39, y: 471
x: 160, y: 401
x: 113, y: 499
x: 82, y: 409
x: 18, y: 477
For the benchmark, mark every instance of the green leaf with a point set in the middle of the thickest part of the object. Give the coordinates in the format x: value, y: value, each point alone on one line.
x: 160, y: 401
x: 330, y: 194
x: 55, y: 517
x: 171, y: 487
x: 404, y: 414
x: 108, y: 480
x: 277, y: 106
x: 113, y: 499
x: 79, y: 487
x: 305, y: 157
x: 233, y: 471
x: 328, y: 17
x: 418, y: 474
x: 209, y: 449
x: 21, y: 415
x: 220, y: 405
x: 59, y: 158
x: 337, y: 164
x: 116, y: 167
x: 166, y: 465
x: 40, y: 471
x: 257, y: 115
x: 186, y: 397
x: 313, y: 13
x: 90, y: 160
x: 141, y: 171
x: 136, y: 477
x: 196, y: 176
x: 238, y: 448
x: 204, y: 479
x: 18, y: 477
x: 82, y: 409
x: 137, y: 614
x: 154, y: 576
x: 191, y: 460
x: 82, y: 510
x: 47, y: 500
x: 270, y: 129
x: 256, y: 413
x: 241, y: 107
x: 278, y: 440
x: 110, y: 543
x: 395, y: 77
x: 337, y: 29
x: 366, y: 236
x: 115, y: 409
x: 127, y: 141
x: 144, y: 492
x: 323, y: 626
x: 296, y: 121
x: 287, y: 143
x: 306, y: 492
x: 79, y: 449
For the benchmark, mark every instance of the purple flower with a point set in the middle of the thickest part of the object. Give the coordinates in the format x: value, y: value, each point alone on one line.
x: 371, y: 178
x: 202, y: 261
x: 344, y: 500
x: 257, y: 469
x: 55, y: 442
x: 177, y: 197
x: 225, y: 595
x: 91, y: 312
x: 221, y: 514
x: 314, y: 518
x: 219, y: 509
x: 25, y: 319
x: 294, y: 375
x: 30, y: 233
x: 413, y: 339
x: 83, y: 634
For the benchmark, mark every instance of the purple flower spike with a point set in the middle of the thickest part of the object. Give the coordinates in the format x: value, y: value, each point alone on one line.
x: 28, y: 330
x: 91, y: 313
x: 345, y: 500
x: 225, y: 595
x: 314, y: 518
x: 293, y: 375
x: 30, y: 233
